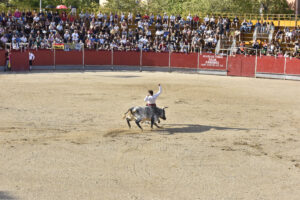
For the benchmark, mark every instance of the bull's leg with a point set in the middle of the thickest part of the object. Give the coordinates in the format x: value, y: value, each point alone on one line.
x: 156, y: 125
x: 128, y: 122
x: 152, y: 121
x: 138, y: 123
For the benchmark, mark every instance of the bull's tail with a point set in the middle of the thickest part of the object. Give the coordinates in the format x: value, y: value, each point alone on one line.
x: 129, y: 110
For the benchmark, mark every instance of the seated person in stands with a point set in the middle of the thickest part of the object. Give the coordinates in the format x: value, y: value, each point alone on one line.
x: 235, y: 22
x: 288, y: 36
x: 279, y: 35
x: 241, y: 49
x: 249, y: 26
x: 206, y: 20
x: 255, y: 45
x: 237, y: 35
x: 244, y: 26
x: 258, y: 26
x: 264, y: 48
x: 264, y: 28
x: 272, y: 50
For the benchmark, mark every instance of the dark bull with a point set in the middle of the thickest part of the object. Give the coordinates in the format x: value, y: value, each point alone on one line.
x: 142, y: 114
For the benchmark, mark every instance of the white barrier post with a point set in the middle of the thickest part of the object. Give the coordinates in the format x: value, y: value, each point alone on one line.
x: 198, y: 62
x: 54, y: 57
x: 169, y: 60
x: 260, y: 53
x: 227, y: 64
x: 284, y: 72
x: 83, y: 67
x: 141, y: 59
x: 112, y: 59
x: 255, y: 64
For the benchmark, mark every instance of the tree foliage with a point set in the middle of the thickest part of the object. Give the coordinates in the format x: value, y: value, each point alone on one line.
x: 201, y: 6
x: 169, y: 6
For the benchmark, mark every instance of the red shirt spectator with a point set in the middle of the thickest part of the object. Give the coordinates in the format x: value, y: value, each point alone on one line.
x: 146, y: 17
x: 64, y: 17
x: 71, y: 18
x: 196, y: 18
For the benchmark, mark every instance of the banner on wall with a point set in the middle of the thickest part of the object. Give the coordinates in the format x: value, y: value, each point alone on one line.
x: 72, y: 46
x: 58, y: 46
x: 213, y: 61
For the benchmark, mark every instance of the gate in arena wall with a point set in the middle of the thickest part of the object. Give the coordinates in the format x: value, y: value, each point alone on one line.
x: 241, y: 65
x: 19, y: 60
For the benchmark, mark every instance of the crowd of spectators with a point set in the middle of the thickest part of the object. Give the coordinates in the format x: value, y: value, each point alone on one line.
x: 122, y: 32
x: 283, y: 42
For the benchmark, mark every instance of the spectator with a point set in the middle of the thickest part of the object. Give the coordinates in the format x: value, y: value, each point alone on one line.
x: 31, y: 59
x: 244, y: 27
x: 258, y: 26
x: 249, y: 26
x: 7, y: 66
x: 236, y: 21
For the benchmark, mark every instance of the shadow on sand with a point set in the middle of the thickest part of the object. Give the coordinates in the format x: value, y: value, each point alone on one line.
x: 6, y: 196
x: 194, y: 128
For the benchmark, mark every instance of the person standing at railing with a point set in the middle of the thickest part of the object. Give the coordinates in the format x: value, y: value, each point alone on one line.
x: 31, y: 59
x: 7, y: 63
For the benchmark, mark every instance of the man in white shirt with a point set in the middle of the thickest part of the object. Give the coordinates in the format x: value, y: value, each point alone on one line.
x: 31, y: 59
x: 100, y: 15
x: 75, y: 36
x: 206, y: 20
x: 36, y: 18
x: 151, y: 101
x: 23, y: 39
x: 66, y: 36
x: 81, y: 15
x: 59, y: 27
x: 166, y: 17
x: 151, y: 98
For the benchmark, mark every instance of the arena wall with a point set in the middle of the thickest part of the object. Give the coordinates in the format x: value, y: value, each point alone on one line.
x: 19, y: 61
x: 237, y: 65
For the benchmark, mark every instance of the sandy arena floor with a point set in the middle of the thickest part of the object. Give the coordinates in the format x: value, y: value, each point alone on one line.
x: 62, y: 136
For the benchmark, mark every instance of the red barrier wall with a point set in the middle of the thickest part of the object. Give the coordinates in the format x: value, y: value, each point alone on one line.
x: 155, y: 59
x: 92, y: 57
x: 130, y: 58
x: 211, y: 61
x: 68, y: 57
x: 2, y: 58
x: 234, y: 65
x: 240, y: 65
x: 269, y: 64
x: 183, y: 60
x: 43, y: 58
x: 293, y: 66
x: 248, y: 66
x: 19, y: 61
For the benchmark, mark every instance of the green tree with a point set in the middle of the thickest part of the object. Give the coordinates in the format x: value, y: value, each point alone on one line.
x: 170, y: 6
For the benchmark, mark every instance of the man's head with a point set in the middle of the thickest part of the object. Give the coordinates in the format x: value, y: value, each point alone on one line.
x: 150, y: 92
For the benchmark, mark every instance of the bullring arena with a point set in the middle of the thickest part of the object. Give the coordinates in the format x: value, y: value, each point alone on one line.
x: 63, y: 137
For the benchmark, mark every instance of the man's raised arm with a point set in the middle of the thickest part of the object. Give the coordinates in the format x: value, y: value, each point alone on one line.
x: 159, y: 91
